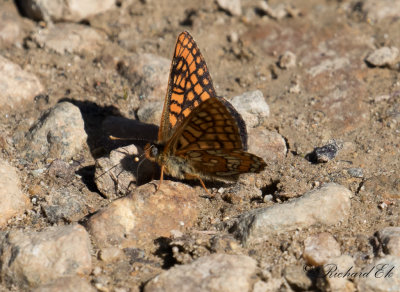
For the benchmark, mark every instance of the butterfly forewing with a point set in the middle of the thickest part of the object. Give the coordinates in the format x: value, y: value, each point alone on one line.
x: 189, y: 84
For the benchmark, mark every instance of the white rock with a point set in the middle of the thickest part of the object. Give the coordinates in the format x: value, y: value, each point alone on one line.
x: 44, y: 256
x: 67, y: 284
x: 272, y: 285
x: 383, y: 56
x: 59, y: 133
x: 16, y: 85
x: 70, y: 38
x: 377, y: 10
x: 110, y: 254
x: 297, y: 278
x: 12, y: 200
x: 319, y: 248
x: 384, y: 275
x: 234, y: 7
x: 64, y: 10
x: 217, y: 272
x: 327, y: 205
x: 252, y: 107
x: 10, y: 26
x: 287, y: 60
x: 144, y: 215
x: 111, y: 177
x: 341, y: 264
x: 269, y: 145
x: 278, y: 12
x: 329, y: 65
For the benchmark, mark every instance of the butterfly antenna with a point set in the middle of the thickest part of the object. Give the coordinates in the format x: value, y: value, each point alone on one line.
x: 111, y: 137
x: 112, y: 167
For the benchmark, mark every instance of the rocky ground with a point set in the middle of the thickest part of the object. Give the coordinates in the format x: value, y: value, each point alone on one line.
x: 317, y: 83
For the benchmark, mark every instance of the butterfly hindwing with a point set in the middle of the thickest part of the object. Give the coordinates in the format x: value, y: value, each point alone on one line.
x: 189, y: 84
x: 209, y: 126
x: 210, y: 140
x: 224, y: 164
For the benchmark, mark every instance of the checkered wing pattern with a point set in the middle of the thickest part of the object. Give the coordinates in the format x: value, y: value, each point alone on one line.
x: 210, y: 141
x: 189, y: 84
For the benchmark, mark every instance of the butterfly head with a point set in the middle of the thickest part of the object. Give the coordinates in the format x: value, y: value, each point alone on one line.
x: 152, y: 151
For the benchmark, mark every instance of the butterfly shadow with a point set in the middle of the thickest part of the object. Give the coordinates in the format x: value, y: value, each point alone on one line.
x: 102, y: 122
x: 135, y: 132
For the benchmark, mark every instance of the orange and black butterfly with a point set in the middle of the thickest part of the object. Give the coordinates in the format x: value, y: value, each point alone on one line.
x: 201, y: 136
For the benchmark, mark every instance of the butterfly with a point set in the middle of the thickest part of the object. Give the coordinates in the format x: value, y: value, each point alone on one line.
x: 201, y: 136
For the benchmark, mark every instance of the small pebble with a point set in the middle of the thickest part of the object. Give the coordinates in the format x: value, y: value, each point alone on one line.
x: 380, y: 98
x: 268, y: 198
x: 34, y: 190
x: 233, y: 7
x: 96, y: 271
x: 110, y: 254
x: 319, y: 248
x: 287, y: 60
x: 233, y: 37
x: 37, y: 172
x: 382, y: 206
x: 383, y: 57
x: 324, y: 153
x: 176, y: 233
x: 356, y: 172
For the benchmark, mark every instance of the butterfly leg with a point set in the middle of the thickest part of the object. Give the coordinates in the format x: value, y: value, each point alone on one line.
x: 204, y: 186
x: 193, y: 176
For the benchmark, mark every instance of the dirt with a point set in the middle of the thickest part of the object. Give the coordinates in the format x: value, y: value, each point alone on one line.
x: 339, y: 103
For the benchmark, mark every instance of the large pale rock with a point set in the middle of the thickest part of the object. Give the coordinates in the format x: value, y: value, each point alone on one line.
x: 30, y: 259
x: 333, y: 282
x: 377, y: 10
x: 63, y: 10
x: 297, y: 278
x: 252, y: 107
x: 149, y: 73
x: 67, y: 284
x: 10, y: 25
x: 327, y: 205
x: 59, y: 133
x: 119, y: 173
x: 144, y: 215
x: 383, y: 275
x: 64, y: 204
x: 71, y: 38
x: 16, y: 85
x: 217, y: 272
x: 383, y: 56
x: 12, y: 200
x: 271, y: 146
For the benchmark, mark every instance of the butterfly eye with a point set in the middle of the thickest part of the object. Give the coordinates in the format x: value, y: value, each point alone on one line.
x: 154, y: 151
